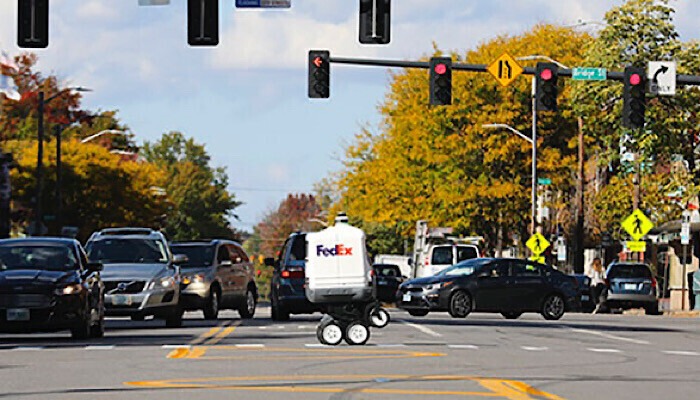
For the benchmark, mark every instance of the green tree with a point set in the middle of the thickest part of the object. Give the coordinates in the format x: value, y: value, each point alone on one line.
x: 202, y: 204
x: 636, y: 32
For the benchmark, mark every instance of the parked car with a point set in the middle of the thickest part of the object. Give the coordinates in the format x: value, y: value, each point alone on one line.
x: 587, y: 301
x: 631, y: 285
x: 217, y: 275
x: 440, y: 256
x: 389, y: 278
x: 48, y: 285
x: 287, y: 295
x: 141, y: 276
x: 507, y: 286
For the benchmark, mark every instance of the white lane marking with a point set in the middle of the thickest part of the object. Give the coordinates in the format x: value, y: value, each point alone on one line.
x: 247, y: 346
x: 316, y: 345
x: 605, y: 350
x: 681, y: 353
x: 176, y: 346
x: 262, y: 327
x: 423, y: 329
x: 532, y: 348
x: 27, y: 348
x: 99, y: 347
x: 463, y: 346
x: 304, y: 327
x: 609, y: 336
x: 391, y: 345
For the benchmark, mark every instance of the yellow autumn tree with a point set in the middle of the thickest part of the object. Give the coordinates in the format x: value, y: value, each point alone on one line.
x: 440, y: 164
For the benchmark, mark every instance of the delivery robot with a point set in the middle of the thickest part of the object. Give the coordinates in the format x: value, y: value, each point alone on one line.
x: 339, y: 279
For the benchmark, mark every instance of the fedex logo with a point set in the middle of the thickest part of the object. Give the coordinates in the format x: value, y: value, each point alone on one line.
x: 337, y: 250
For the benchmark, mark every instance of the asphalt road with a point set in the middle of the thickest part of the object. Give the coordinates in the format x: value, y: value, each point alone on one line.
x: 483, y: 356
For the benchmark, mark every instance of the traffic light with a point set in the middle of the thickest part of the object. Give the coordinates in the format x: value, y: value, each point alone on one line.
x: 546, y: 85
x: 33, y: 24
x: 634, y: 98
x: 319, y: 74
x: 203, y: 22
x: 375, y: 21
x: 440, y: 81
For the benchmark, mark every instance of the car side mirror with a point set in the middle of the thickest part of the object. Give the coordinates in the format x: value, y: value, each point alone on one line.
x: 95, y: 266
x: 269, y: 261
x: 226, y: 263
x: 180, y: 259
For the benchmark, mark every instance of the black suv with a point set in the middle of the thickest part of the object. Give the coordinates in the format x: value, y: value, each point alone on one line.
x: 287, y: 292
x: 48, y: 285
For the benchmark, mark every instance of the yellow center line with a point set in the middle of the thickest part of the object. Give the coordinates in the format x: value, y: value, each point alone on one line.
x: 503, y: 388
x: 221, y: 335
x: 214, y: 335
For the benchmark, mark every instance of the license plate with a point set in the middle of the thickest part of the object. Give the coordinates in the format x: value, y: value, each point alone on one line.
x: 585, y: 298
x: 18, y: 314
x: 121, y: 300
x: 630, y: 286
x: 407, y: 297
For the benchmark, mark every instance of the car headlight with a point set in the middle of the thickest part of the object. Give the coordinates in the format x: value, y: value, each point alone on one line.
x: 197, y: 278
x: 438, y: 285
x: 164, y: 283
x: 70, y: 289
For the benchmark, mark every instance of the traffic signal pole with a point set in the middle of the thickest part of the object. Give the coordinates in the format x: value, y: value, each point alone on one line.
x: 533, y: 228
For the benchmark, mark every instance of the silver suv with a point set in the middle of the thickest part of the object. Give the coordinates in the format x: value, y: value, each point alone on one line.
x: 217, y: 275
x: 140, y: 274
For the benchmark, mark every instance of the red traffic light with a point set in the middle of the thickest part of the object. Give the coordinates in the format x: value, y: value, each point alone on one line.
x: 635, y: 79
x: 318, y: 61
x: 546, y: 74
x: 440, y: 69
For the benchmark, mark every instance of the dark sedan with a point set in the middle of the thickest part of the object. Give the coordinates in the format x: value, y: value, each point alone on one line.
x: 388, y: 280
x: 48, y: 285
x: 507, y: 286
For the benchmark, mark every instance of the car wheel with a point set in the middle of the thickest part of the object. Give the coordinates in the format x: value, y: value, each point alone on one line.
x: 418, y: 313
x: 278, y: 312
x: 174, y: 320
x: 356, y: 334
x: 652, y: 309
x: 98, y: 330
x: 247, y: 309
x: 553, y: 307
x: 81, y: 330
x: 511, y: 314
x: 211, y: 309
x: 329, y: 333
x: 378, y: 317
x: 460, y: 305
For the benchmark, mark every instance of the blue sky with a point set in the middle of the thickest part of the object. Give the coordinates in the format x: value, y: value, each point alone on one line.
x: 246, y: 99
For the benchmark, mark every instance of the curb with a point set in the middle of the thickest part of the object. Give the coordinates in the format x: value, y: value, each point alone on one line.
x: 682, y: 314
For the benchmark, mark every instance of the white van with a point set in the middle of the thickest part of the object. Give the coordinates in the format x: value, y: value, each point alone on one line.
x: 440, y: 256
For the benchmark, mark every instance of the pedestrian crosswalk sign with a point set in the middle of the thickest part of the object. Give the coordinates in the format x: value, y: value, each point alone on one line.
x: 637, y: 225
x: 537, y: 244
x: 537, y: 259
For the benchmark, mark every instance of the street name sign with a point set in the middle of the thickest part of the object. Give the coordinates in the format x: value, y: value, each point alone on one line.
x: 637, y: 224
x: 544, y: 181
x: 589, y: 74
x: 505, y: 69
x: 263, y: 3
x: 537, y: 244
x: 636, y: 247
x: 662, y: 78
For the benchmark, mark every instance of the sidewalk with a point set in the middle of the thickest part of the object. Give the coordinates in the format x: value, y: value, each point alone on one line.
x: 683, y: 314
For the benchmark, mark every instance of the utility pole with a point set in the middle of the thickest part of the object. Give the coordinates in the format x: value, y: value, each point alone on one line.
x: 39, y: 167
x: 533, y: 229
x: 580, y: 215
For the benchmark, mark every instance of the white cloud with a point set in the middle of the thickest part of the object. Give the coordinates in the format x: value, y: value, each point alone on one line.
x: 278, y: 173
x: 96, y: 9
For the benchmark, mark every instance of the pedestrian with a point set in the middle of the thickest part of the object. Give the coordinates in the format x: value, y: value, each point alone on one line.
x: 597, y: 275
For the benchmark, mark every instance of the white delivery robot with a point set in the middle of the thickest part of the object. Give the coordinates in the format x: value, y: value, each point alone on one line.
x: 339, y: 278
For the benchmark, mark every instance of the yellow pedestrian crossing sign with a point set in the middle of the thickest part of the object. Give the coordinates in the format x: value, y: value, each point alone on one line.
x: 537, y: 244
x: 637, y: 225
x: 505, y: 69
x: 537, y: 259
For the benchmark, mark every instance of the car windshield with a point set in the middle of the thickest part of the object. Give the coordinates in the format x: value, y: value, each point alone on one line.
x: 387, y: 270
x: 197, y: 256
x: 629, y: 271
x: 38, y: 257
x: 127, y: 251
x: 464, y: 268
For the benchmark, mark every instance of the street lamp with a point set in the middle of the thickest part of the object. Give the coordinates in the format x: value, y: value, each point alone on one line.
x: 40, y: 151
x: 533, y: 141
x: 104, y: 132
